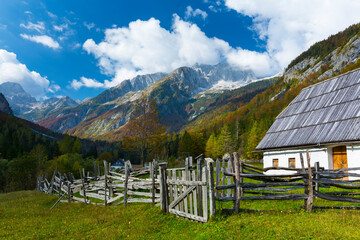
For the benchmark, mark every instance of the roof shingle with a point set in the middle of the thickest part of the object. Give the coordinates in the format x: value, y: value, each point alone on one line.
x: 326, y: 112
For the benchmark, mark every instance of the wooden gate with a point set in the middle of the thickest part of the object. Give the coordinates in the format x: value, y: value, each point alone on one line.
x: 187, y: 191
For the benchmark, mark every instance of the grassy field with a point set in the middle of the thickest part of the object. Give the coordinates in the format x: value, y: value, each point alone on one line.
x: 27, y: 215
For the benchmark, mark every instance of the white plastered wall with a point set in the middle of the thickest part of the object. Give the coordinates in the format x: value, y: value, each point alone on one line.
x: 316, y: 155
x: 353, y: 158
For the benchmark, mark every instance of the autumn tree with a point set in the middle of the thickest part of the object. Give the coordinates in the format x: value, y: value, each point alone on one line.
x: 210, y: 146
x: 144, y: 132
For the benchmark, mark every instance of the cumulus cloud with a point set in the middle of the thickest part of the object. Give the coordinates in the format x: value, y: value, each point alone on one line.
x: 259, y: 63
x: 86, y: 82
x: 190, y: 12
x: 145, y: 47
x: 39, y: 26
x: 290, y: 27
x: 11, y: 70
x: 42, y: 39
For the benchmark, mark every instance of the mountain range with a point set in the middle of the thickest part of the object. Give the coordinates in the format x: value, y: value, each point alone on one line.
x: 177, y: 95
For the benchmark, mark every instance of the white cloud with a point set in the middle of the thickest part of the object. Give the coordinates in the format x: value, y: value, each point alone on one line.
x: 260, y: 63
x: 89, y: 25
x: 42, y: 39
x: 86, y: 82
x: 190, y: 12
x: 61, y: 27
x: 3, y: 26
x: 39, y: 26
x: 291, y: 27
x: 53, y: 87
x: 11, y: 70
x: 52, y: 15
x: 145, y: 47
x: 28, y: 12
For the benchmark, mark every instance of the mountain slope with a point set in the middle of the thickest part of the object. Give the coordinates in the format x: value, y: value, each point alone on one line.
x: 4, y: 105
x: 113, y: 108
x: 26, y: 106
x: 45, y: 108
x: 19, y: 100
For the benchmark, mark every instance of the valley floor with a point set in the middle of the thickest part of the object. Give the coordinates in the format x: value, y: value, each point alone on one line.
x: 27, y: 215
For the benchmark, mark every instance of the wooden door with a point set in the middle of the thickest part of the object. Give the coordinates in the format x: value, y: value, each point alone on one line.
x: 340, y: 157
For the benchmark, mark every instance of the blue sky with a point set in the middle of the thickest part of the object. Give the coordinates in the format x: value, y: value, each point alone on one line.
x: 79, y: 48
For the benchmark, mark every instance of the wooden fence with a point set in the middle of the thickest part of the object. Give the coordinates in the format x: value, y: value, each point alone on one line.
x: 188, y: 191
x: 192, y: 191
x: 111, y: 188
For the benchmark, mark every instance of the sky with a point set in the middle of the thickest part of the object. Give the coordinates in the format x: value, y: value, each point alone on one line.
x: 80, y: 48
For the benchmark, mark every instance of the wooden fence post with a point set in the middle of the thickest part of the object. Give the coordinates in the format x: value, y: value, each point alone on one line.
x: 204, y: 193
x: 311, y: 190
x: 199, y: 178
x: 126, y: 182
x: 237, y: 182
x: 83, y: 186
x: 105, y: 179
x: 241, y: 180
x: 164, y: 191
x: 317, y: 167
x: 217, y: 176
x: 161, y: 189
x: 306, y: 186
x: 95, y: 172
x: 52, y: 182
x: 210, y: 166
x: 69, y: 190
x: 60, y: 184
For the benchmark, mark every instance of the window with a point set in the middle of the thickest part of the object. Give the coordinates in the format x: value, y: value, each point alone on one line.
x: 275, y: 162
x: 291, y: 162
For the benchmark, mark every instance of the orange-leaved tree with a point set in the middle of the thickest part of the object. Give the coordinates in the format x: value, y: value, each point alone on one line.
x: 144, y: 132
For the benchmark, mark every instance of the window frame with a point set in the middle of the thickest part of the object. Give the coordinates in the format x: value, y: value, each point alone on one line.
x: 275, y: 160
x: 290, y: 162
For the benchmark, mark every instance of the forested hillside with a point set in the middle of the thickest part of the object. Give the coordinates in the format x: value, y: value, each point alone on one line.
x: 243, y: 128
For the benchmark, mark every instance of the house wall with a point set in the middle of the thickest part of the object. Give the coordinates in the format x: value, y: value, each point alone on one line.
x: 322, y: 155
x: 353, y: 157
x: 316, y: 155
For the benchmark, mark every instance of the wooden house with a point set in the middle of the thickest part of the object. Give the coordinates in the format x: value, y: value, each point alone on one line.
x: 325, y: 119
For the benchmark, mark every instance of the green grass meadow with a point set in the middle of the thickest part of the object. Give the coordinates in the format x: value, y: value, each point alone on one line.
x: 27, y: 215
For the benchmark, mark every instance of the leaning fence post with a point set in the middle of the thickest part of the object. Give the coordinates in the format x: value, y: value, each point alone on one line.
x: 237, y: 182
x: 210, y: 165
x: 317, y: 167
x: 311, y: 190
